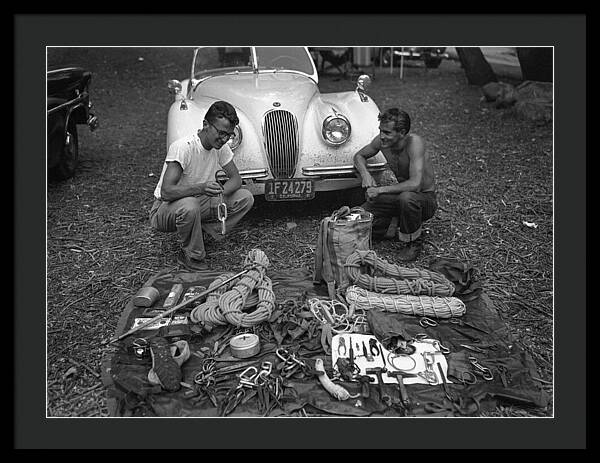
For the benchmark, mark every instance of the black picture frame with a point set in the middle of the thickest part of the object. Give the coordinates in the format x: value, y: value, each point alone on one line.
x: 566, y: 33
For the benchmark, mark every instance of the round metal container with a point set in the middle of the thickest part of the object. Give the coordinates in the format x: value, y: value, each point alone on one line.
x: 146, y: 296
x: 244, y: 345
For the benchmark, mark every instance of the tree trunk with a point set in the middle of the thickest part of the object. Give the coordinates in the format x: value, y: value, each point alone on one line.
x: 478, y: 70
x: 536, y: 63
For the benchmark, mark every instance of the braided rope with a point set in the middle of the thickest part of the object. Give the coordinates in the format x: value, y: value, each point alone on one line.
x: 232, y: 301
x: 428, y: 306
x: 395, y: 279
x: 258, y: 294
x: 209, y: 311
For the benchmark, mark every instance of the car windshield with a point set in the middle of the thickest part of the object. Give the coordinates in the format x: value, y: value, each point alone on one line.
x: 222, y: 60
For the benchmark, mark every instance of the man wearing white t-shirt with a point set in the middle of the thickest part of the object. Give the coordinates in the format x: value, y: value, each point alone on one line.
x: 187, y: 194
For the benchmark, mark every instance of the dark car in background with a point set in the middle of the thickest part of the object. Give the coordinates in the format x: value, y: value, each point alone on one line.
x: 68, y: 105
x: 431, y: 56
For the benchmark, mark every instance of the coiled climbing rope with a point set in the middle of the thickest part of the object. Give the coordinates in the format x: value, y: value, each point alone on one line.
x: 429, y: 306
x: 225, y: 304
x: 394, y: 279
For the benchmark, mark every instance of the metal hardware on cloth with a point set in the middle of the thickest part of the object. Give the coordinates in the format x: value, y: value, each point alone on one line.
x: 480, y: 369
x: 244, y: 345
x: 426, y: 322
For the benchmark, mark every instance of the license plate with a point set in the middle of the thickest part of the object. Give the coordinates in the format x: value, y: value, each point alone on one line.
x: 287, y: 189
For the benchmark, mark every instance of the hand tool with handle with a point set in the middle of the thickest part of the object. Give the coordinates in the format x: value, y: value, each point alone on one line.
x: 445, y: 383
x: 366, y: 353
x: 386, y: 399
x: 365, y: 381
x: 400, y: 375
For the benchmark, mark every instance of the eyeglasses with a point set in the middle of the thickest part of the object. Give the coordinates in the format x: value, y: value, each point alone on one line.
x: 222, y: 134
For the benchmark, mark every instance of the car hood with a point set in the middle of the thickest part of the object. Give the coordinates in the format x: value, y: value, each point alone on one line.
x: 254, y: 94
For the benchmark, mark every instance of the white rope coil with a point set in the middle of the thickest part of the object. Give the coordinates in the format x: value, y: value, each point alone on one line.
x: 428, y: 306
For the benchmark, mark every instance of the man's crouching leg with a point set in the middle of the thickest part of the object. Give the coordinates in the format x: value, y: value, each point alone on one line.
x: 185, y: 217
x: 414, y: 208
x: 238, y: 205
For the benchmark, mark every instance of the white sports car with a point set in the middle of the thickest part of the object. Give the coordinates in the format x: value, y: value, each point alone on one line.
x: 292, y: 140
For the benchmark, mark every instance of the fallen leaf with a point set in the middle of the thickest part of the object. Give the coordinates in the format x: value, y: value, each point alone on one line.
x: 71, y: 371
x: 530, y: 224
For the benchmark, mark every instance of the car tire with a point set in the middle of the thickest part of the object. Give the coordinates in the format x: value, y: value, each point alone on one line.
x: 69, y: 157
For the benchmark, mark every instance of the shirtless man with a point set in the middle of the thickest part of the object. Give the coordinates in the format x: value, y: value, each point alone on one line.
x: 412, y: 200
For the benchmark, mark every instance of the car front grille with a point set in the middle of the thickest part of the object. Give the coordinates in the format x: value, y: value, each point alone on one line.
x: 280, y: 136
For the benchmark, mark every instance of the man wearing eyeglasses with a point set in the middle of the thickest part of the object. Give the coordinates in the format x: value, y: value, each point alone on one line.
x: 187, y: 196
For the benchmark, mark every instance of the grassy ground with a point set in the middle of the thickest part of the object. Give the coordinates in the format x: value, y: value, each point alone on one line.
x: 494, y: 174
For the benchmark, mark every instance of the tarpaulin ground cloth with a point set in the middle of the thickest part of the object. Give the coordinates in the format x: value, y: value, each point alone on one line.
x: 131, y: 394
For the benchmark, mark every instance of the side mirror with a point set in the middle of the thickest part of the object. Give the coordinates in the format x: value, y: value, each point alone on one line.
x: 174, y: 87
x: 363, y: 82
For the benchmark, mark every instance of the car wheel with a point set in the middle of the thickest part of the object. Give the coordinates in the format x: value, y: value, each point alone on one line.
x: 69, y: 158
x: 432, y: 62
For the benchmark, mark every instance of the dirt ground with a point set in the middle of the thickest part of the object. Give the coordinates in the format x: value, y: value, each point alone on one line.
x: 494, y: 175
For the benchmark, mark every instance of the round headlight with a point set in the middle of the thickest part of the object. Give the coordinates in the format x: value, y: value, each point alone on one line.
x: 237, y: 138
x: 336, y: 129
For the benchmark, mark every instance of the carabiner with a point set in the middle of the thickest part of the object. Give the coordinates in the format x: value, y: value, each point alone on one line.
x: 481, y: 370
x: 222, y: 211
x: 466, y: 378
x: 280, y: 352
x: 427, y: 322
x: 217, y: 175
x: 246, y: 376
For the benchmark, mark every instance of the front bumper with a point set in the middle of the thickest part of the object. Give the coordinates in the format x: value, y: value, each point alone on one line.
x: 327, y: 178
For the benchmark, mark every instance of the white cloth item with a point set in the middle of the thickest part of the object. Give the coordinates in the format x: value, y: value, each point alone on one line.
x: 199, y: 164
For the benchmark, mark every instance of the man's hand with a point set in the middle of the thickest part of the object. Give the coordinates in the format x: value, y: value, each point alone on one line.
x: 368, y: 181
x: 372, y: 193
x: 213, y: 189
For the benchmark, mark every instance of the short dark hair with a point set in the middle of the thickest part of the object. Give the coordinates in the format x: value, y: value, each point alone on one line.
x: 400, y: 118
x: 221, y: 109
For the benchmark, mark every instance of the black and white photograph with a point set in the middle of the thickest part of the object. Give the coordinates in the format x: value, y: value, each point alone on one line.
x: 248, y: 233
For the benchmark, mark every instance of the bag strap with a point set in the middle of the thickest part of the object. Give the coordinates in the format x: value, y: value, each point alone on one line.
x: 341, y: 212
x: 318, y: 271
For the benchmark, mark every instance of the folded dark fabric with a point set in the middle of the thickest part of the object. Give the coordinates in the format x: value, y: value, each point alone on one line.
x: 461, y: 275
x: 389, y: 330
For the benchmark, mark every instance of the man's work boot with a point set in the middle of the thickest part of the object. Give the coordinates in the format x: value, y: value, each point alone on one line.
x: 165, y: 369
x: 191, y: 264
x: 392, y: 230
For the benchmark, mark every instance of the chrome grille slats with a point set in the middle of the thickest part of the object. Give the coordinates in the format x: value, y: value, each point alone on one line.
x: 280, y: 138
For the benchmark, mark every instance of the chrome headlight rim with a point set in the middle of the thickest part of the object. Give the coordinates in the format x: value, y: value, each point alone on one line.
x: 237, y: 138
x: 326, y: 123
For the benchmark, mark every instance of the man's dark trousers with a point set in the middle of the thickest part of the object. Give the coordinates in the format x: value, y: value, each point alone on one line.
x: 412, y: 209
